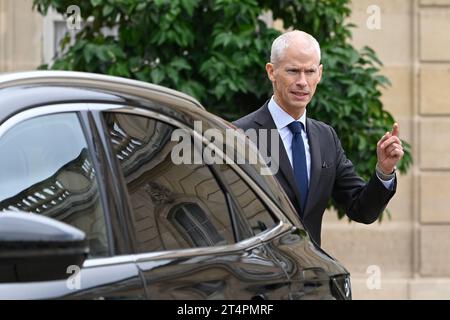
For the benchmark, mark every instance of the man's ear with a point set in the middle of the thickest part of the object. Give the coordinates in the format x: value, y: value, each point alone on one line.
x: 270, y: 69
x: 320, y: 72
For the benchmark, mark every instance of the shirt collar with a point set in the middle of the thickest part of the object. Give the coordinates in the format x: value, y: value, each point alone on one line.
x: 281, y: 117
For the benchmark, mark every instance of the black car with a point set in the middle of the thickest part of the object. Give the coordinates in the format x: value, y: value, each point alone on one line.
x: 94, y: 207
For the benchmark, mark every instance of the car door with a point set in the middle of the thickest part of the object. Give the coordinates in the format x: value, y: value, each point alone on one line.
x: 187, y: 242
x: 53, y: 167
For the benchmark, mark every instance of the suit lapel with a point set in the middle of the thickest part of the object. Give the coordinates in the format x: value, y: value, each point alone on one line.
x: 316, y: 164
x: 265, y: 121
x: 286, y: 170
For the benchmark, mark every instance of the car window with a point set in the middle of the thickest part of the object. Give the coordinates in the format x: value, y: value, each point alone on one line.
x: 251, y: 211
x: 46, y: 168
x: 174, y: 206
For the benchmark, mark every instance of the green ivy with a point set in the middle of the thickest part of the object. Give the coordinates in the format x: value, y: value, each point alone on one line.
x: 216, y: 50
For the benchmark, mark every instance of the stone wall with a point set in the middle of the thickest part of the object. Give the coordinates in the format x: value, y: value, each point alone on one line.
x: 20, y: 36
x: 409, y: 252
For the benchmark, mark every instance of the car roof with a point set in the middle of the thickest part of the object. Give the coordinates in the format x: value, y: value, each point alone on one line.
x: 24, y: 90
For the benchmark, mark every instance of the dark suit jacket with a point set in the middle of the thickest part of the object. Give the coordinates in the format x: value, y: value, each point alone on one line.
x: 332, y: 175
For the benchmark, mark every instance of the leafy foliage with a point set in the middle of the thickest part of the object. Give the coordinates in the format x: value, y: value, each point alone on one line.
x: 216, y: 50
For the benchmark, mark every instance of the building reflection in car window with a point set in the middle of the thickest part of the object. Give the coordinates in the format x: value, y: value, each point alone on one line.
x: 175, y: 206
x: 49, y: 171
x: 252, y: 212
x: 195, y: 225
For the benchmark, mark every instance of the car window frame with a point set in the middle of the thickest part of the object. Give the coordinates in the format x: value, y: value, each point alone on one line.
x: 122, y: 183
x: 283, y: 225
x: 98, y: 107
x: 81, y: 110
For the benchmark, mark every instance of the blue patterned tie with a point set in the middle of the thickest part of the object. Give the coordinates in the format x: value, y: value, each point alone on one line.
x: 299, y: 161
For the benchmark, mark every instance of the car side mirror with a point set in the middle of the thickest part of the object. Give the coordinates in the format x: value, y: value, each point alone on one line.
x: 37, y: 248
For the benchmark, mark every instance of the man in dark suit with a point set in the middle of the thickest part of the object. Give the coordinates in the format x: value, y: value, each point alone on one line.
x: 312, y: 164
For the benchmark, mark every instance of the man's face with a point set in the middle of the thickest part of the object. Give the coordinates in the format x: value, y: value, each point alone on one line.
x: 295, y: 77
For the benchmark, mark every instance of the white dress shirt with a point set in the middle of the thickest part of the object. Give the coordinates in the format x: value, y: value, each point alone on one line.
x: 282, y: 119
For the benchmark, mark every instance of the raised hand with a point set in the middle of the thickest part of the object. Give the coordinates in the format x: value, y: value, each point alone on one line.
x: 389, y: 150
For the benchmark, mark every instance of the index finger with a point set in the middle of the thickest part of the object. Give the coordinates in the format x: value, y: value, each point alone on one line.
x: 395, y: 130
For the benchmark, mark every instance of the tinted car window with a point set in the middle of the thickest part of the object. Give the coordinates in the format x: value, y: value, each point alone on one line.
x: 174, y: 206
x: 47, y: 169
x: 251, y: 211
